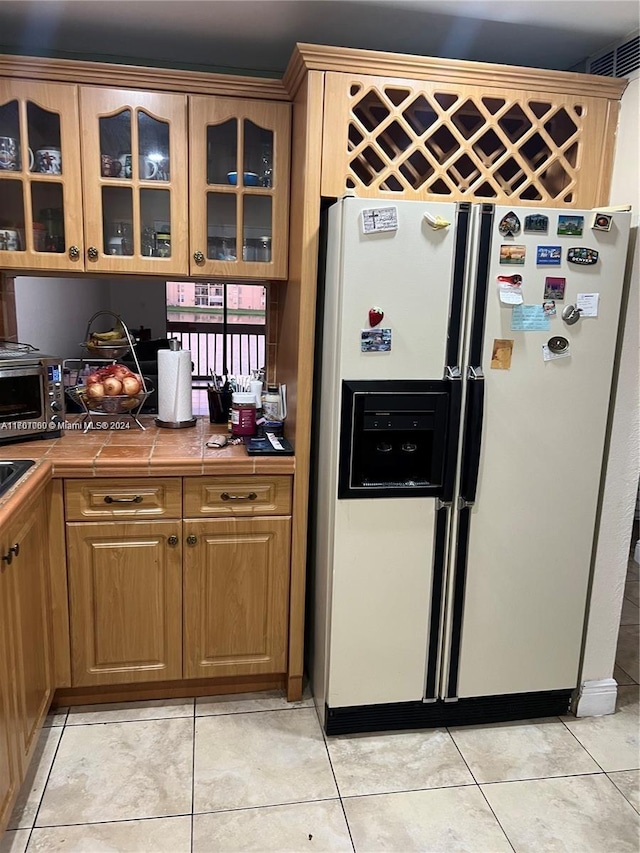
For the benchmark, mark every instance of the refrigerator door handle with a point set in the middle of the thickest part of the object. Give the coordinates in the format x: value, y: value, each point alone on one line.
x: 454, y: 377
x: 472, y: 436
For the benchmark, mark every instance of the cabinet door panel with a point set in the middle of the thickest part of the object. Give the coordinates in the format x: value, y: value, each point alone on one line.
x: 236, y: 587
x: 40, y: 180
x: 125, y: 586
x: 9, y: 769
x: 239, y: 187
x: 31, y: 625
x: 135, y: 180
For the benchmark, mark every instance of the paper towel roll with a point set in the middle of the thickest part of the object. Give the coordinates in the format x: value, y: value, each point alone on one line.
x: 174, y: 386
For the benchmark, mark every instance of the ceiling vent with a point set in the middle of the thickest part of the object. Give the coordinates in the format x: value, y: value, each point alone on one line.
x: 620, y: 60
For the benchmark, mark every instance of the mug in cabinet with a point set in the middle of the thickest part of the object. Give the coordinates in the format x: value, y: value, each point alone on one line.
x: 148, y: 168
x: 109, y: 168
x: 9, y: 240
x: 9, y: 154
x: 126, y: 165
x: 49, y: 161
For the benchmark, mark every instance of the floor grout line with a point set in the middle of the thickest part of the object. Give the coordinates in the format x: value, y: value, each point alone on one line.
x: 193, y: 773
x: 44, y: 787
x: 335, y: 780
x: 482, y: 793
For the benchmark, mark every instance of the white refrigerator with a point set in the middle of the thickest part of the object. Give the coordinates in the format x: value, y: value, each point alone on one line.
x: 467, y: 355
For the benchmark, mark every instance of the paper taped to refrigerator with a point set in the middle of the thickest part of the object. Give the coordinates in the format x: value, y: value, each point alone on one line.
x: 511, y: 295
x: 587, y: 304
x: 529, y: 318
x: 547, y: 355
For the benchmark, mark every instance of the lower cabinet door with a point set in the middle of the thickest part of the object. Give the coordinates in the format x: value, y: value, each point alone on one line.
x: 125, y: 592
x: 29, y: 570
x: 9, y: 769
x: 236, y: 596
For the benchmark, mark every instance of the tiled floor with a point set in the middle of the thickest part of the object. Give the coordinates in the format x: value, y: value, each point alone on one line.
x: 253, y: 773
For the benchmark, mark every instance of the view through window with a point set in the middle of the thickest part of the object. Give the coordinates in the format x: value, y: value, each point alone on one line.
x: 223, y: 324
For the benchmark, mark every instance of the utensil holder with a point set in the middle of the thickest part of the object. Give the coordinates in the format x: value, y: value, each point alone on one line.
x: 219, y: 405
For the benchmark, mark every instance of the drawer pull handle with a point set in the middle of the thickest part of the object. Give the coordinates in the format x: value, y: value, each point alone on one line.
x: 227, y: 497
x: 135, y: 500
x: 8, y: 557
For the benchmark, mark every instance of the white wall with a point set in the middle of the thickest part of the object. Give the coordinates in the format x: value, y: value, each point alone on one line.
x: 140, y: 302
x: 623, y: 467
x: 52, y: 313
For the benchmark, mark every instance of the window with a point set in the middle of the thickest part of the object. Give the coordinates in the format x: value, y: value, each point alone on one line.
x: 223, y: 324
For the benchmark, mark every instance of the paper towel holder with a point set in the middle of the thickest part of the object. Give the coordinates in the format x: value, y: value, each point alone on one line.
x: 174, y: 346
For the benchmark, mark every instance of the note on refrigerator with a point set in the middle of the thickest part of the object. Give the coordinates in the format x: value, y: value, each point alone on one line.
x: 587, y: 303
x: 529, y: 318
x: 511, y: 295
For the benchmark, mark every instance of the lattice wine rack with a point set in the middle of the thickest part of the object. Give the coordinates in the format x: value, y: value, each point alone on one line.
x: 387, y: 137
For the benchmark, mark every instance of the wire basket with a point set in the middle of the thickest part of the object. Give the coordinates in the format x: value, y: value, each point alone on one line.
x: 117, y: 404
x: 114, y: 348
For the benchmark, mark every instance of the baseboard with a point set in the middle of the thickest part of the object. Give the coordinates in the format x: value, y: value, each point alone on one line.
x: 596, y: 698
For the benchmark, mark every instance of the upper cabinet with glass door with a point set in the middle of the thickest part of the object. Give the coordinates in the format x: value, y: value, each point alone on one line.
x: 135, y: 181
x: 40, y: 183
x: 239, y: 187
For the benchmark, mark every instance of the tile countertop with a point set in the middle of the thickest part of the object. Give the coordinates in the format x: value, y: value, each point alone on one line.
x: 111, y: 451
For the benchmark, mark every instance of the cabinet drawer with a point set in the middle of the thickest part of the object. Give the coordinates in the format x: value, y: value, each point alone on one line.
x: 224, y: 496
x: 96, y: 499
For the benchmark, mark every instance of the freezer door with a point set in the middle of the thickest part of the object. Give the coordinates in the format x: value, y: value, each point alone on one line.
x: 380, y: 601
x: 524, y: 546
x: 414, y: 274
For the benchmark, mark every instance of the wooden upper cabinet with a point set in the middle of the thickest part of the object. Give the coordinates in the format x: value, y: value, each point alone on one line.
x: 134, y: 158
x: 387, y: 137
x: 239, y: 187
x: 40, y: 182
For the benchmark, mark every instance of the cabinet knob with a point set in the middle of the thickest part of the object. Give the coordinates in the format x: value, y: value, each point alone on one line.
x: 198, y: 257
x: 192, y: 540
x: 74, y: 253
x: 92, y: 253
x: 172, y: 540
x: 15, y: 549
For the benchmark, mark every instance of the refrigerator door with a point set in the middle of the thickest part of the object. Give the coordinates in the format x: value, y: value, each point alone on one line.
x: 524, y: 548
x: 411, y: 274
x: 373, y: 571
x: 382, y: 576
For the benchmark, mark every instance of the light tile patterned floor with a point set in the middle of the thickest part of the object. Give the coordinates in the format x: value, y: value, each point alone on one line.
x: 253, y: 773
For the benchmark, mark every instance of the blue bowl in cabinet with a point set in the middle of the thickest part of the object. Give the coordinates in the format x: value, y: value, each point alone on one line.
x: 249, y: 179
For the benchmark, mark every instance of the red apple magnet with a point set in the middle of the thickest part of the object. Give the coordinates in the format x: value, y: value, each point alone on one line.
x: 375, y: 316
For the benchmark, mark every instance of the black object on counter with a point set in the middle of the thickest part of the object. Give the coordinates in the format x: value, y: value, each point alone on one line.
x: 268, y: 447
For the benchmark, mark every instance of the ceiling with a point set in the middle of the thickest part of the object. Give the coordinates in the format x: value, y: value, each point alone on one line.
x: 258, y: 35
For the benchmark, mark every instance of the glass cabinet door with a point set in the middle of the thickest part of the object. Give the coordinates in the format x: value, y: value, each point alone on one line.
x: 135, y: 181
x: 40, y: 181
x: 239, y: 187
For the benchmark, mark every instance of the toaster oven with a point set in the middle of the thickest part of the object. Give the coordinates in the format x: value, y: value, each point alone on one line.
x: 31, y: 396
